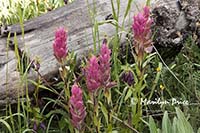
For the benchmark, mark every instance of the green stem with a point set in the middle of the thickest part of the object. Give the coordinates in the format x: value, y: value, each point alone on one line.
x: 96, y: 113
x: 126, y: 124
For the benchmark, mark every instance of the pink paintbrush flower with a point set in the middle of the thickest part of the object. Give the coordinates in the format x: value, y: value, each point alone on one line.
x: 77, y: 108
x: 98, y: 70
x: 60, y: 44
x: 104, y: 64
x: 142, y: 32
x: 92, y: 74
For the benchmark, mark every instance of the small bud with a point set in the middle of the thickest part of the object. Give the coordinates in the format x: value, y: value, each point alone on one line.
x: 35, y: 126
x: 127, y: 77
x: 158, y: 69
x: 162, y: 87
x: 42, y: 125
x: 67, y: 68
x: 35, y: 65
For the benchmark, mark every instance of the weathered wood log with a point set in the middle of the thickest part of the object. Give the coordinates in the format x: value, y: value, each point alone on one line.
x: 39, y: 36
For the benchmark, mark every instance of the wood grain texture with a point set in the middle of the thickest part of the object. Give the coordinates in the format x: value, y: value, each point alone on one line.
x: 39, y: 36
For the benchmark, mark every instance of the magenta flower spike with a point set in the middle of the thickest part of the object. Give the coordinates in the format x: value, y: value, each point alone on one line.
x: 92, y: 74
x: 60, y: 44
x: 104, y: 64
x: 146, y: 12
x: 142, y: 32
x: 77, y: 108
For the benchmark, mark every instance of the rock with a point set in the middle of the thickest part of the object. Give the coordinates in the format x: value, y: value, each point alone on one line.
x: 174, y: 24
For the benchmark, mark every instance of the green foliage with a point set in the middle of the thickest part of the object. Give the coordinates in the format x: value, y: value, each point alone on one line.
x: 10, y: 10
x: 179, y: 125
x: 185, y: 67
x: 152, y: 125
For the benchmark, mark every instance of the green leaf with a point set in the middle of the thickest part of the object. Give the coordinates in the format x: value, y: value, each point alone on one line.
x: 183, y: 125
x: 148, y: 59
x: 148, y: 2
x: 107, y: 94
x: 28, y: 131
x: 62, y: 123
x: 152, y: 125
x: 128, y: 94
x: 128, y: 8
x: 166, y: 124
x: 105, y: 112
x: 58, y: 111
x: 109, y: 129
x: 95, y: 121
x: 174, y: 126
x: 6, y: 125
x: 198, y: 130
x: 49, y: 123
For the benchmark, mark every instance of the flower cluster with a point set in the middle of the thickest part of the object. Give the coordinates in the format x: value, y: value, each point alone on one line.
x: 92, y: 74
x: 98, y: 69
x: 104, y: 64
x: 142, y: 32
x: 77, y: 108
x: 60, y: 45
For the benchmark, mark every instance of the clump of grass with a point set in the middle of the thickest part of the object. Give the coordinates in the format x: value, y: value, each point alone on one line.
x: 10, y: 9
